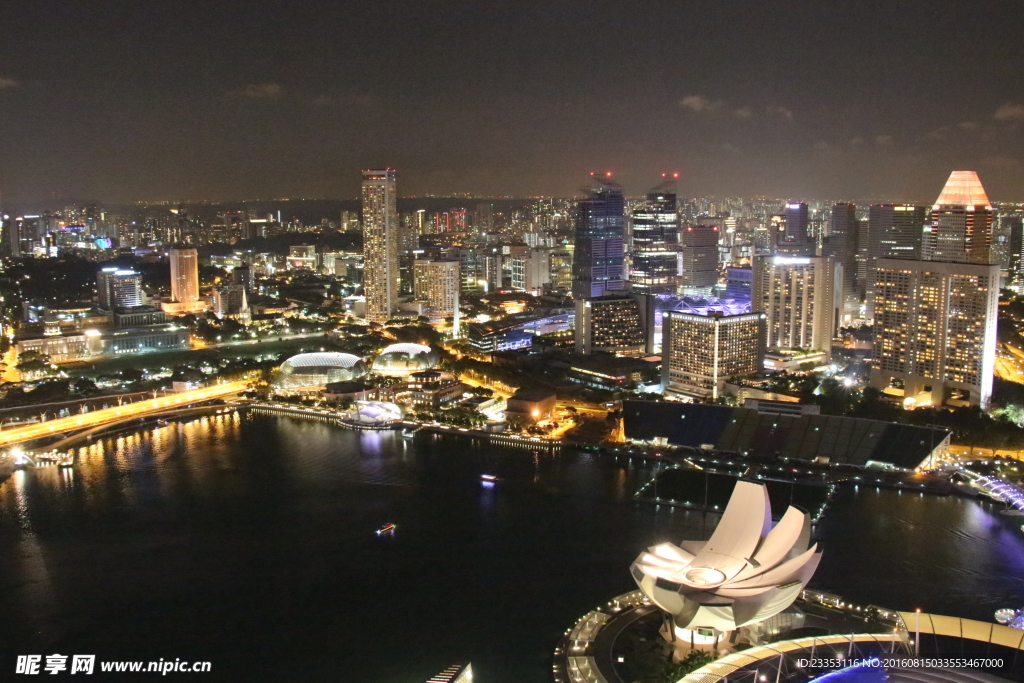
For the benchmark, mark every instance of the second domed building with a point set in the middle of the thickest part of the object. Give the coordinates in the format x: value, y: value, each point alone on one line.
x: 401, y: 360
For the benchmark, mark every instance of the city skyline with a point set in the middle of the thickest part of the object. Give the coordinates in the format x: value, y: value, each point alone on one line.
x: 847, y: 102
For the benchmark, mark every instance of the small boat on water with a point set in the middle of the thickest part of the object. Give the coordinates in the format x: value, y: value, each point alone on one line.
x: 386, y: 529
x: 489, y: 477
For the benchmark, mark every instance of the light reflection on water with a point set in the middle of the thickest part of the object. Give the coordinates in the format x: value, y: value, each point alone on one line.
x: 165, y: 535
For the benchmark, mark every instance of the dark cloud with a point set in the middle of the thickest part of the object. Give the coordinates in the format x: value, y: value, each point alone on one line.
x: 699, y: 103
x: 1009, y: 112
x: 258, y: 91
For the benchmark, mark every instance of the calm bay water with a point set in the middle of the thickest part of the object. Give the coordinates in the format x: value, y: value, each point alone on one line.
x: 249, y: 541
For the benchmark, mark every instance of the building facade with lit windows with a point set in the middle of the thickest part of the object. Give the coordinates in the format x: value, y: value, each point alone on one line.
x: 302, y: 256
x: 619, y: 324
x: 798, y: 295
x: 894, y: 231
x: 599, y: 255
x: 437, y: 283
x: 935, y: 330
x: 700, y: 352
x: 432, y: 389
x: 118, y: 288
x: 184, y: 283
x: 960, y: 229
x: 698, y: 248
x: 654, y: 261
x: 935, y: 319
x: 792, y: 232
x: 380, y: 243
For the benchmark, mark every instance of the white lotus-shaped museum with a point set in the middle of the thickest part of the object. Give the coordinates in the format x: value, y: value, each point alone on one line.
x: 746, y: 572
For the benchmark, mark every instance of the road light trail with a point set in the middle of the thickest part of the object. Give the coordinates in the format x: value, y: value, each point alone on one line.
x: 118, y: 413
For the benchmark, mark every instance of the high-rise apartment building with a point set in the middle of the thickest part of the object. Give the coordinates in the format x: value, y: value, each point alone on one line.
x: 118, y: 288
x: 409, y: 235
x: 935, y: 318
x: 960, y: 229
x: 599, y: 256
x: 538, y: 270
x: 698, y: 250
x: 935, y: 330
x: 437, y: 283
x: 1014, y: 230
x: 622, y: 324
x: 739, y: 283
x: 894, y: 231
x: 561, y: 270
x: 701, y: 352
x: 654, y: 260
x: 798, y: 296
x: 185, y: 281
x: 380, y: 243
x: 793, y: 235
x: 483, y: 218
x: 841, y: 245
x: 230, y: 301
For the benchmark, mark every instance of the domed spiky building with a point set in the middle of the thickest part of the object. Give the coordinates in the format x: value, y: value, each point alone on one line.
x: 319, y: 369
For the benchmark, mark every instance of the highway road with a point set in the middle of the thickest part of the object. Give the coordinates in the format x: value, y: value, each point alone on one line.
x: 138, y: 409
x: 1010, y: 363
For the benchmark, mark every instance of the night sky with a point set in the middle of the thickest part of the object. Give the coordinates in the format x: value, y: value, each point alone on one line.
x: 225, y: 99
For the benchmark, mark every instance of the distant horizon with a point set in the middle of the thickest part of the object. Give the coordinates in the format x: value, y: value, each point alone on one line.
x: 58, y: 203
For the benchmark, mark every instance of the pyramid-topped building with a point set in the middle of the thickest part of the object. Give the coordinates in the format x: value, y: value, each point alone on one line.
x: 935, y: 319
x: 960, y: 229
x: 963, y: 188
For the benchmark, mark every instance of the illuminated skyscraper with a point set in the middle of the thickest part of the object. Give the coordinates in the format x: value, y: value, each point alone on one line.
x: 935, y: 319
x: 437, y: 283
x: 185, y: 279
x: 654, y: 261
x: 935, y: 330
x: 118, y: 288
x: 1014, y: 229
x: 793, y: 238
x: 698, y: 249
x: 960, y: 229
x: 700, y: 351
x: 621, y: 323
x: 894, y: 231
x: 599, y: 256
x: 841, y: 245
x: 798, y: 296
x: 380, y: 243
